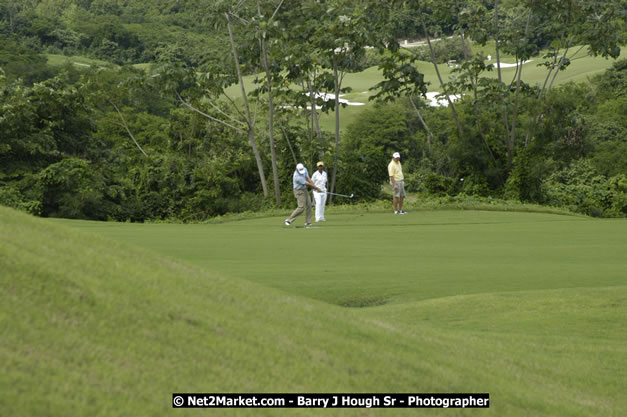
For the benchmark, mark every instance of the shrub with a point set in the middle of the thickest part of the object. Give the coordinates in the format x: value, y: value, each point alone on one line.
x: 72, y: 189
x: 438, y: 185
x: 580, y: 188
x: 12, y: 197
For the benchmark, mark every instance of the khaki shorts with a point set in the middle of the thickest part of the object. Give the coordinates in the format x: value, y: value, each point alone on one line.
x: 400, y: 191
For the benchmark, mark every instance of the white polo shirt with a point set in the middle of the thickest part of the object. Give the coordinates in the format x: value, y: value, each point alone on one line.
x: 320, y: 180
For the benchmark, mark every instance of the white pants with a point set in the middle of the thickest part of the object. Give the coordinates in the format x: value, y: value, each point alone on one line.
x: 321, y: 199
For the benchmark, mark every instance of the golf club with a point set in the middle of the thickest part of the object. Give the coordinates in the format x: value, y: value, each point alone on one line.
x: 341, y: 195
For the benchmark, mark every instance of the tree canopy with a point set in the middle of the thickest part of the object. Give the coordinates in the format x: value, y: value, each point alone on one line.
x: 146, y: 127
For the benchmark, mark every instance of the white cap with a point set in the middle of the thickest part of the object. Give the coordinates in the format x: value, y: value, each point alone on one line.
x: 300, y: 168
x: 396, y: 155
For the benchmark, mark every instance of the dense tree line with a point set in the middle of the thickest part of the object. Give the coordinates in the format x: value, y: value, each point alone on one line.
x: 129, y: 145
x: 578, y: 160
x: 121, y: 32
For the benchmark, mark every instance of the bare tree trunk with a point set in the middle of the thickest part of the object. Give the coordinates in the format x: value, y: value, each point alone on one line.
x: 437, y: 71
x: 312, y: 103
x: 557, y: 66
x: 540, y: 94
x: 475, y: 93
x: 462, y: 35
x: 249, y: 120
x: 287, y: 139
x: 510, y: 142
x: 315, y: 122
x: 479, y: 124
x: 510, y: 149
x: 424, y: 124
x: 125, y: 126
x: 337, y: 128
x: 275, y: 171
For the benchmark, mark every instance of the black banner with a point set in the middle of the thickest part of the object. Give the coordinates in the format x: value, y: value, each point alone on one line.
x: 273, y: 400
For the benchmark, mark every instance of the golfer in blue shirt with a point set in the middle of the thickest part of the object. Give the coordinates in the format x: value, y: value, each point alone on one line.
x: 301, y: 181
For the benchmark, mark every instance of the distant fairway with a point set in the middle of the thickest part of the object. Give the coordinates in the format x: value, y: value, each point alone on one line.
x: 580, y: 69
x: 528, y: 307
x: 78, y: 61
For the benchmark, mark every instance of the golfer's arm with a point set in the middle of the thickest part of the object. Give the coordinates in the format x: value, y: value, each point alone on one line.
x: 392, y: 180
x: 312, y: 185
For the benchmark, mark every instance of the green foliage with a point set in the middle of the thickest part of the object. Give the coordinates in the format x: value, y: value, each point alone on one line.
x: 580, y: 188
x: 446, y: 49
x: 609, y: 157
x: 613, y: 82
x: 41, y: 124
x: 369, y: 145
x: 12, y: 197
x: 71, y: 189
x: 22, y: 60
x: 437, y: 185
x: 86, y: 129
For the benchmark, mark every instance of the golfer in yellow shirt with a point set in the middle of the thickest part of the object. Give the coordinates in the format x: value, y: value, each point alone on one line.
x: 395, y: 170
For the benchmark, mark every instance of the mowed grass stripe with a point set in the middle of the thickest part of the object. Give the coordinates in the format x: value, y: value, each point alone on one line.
x: 375, y: 258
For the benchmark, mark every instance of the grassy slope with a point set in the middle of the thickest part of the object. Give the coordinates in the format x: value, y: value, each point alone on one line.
x: 95, y: 327
x: 92, y: 326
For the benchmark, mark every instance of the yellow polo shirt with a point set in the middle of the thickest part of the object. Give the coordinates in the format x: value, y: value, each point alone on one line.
x: 396, y: 170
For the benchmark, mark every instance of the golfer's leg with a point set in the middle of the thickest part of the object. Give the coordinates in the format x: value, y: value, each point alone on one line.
x: 317, y: 198
x: 308, y: 207
x: 323, y: 201
x: 300, y: 199
x: 401, y: 196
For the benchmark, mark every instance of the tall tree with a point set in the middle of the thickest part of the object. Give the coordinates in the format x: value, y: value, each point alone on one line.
x: 340, y: 39
x: 522, y: 30
x: 264, y: 23
x: 250, y: 121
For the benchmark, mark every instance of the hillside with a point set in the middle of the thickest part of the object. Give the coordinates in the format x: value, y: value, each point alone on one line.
x: 92, y: 326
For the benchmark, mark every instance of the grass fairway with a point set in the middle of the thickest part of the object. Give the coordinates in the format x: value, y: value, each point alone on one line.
x: 528, y: 307
x: 365, y: 259
x: 78, y: 61
x: 581, y: 69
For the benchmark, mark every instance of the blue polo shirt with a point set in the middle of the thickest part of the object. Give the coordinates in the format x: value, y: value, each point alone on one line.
x: 300, y: 180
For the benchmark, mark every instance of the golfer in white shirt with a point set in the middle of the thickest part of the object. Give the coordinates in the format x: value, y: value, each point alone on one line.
x: 319, y: 178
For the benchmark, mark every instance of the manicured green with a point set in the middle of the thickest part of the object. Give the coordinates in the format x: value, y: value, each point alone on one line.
x: 360, y: 258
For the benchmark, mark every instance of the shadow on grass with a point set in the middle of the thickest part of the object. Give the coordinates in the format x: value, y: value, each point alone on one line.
x: 362, y: 302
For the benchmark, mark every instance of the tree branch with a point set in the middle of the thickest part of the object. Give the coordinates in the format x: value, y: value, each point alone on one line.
x: 233, y: 104
x: 225, y: 114
x: 422, y: 120
x: 125, y: 125
x: 207, y: 115
x: 287, y: 140
x: 277, y: 10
